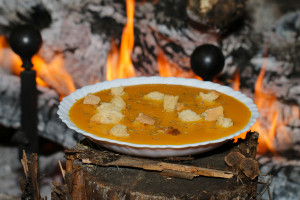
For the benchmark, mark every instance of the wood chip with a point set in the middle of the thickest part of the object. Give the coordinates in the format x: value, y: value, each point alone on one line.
x: 234, y: 159
x: 250, y: 168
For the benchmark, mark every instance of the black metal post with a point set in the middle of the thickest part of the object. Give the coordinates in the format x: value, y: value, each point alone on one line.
x: 207, y: 61
x: 25, y: 41
x: 29, y: 118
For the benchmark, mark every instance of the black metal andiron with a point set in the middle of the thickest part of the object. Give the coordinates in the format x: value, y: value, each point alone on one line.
x: 25, y: 41
x: 207, y: 61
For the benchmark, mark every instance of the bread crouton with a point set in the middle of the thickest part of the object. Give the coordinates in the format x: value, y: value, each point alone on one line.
x: 210, y: 96
x: 107, y: 117
x: 91, y: 99
x: 106, y: 106
x: 188, y: 116
x: 170, y: 102
x: 213, y: 114
x: 119, y: 130
x: 145, y: 119
x: 179, y: 106
x: 117, y: 91
x: 155, y: 96
x: 224, y: 122
x: 172, y: 131
x: 118, y: 102
x: 108, y: 113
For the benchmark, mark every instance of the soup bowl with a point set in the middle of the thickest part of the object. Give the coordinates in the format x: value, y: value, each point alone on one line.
x: 146, y: 150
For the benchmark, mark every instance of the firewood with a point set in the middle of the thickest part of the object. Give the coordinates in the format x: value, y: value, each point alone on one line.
x: 152, y: 165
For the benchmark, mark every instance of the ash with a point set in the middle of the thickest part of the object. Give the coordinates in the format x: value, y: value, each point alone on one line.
x: 285, y: 172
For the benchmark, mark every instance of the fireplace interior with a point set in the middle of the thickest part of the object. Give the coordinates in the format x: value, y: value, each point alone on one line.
x: 85, y: 42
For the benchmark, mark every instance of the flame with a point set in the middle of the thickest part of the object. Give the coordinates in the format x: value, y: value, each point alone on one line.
x: 49, y: 74
x: 167, y: 69
x: 268, y: 121
x: 164, y: 68
x: 265, y: 101
x: 119, y: 64
x: 236, y: 81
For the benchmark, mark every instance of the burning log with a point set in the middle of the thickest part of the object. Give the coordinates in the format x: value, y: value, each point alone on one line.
x: 81, y: 33
x: 215, y: 15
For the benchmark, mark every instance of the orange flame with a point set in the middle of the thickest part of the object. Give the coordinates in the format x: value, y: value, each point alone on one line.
x: 236, y: 83
x: 50, y: 74
x: 124, y: 67
x: 167, y: 69
x: 119, y: 65
x: 265, y: 101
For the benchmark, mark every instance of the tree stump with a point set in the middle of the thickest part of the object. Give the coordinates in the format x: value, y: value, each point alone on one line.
x: 95, y: 173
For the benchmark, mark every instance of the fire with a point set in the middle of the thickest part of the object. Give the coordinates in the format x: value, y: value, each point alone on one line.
x: 236, y: 83
x: 50, y: 74
x: 269, y: 112
x: 263, y: 101
x: 119, y: 64
x: 167, y: 69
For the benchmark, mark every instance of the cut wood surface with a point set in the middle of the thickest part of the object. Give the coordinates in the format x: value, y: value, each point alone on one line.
x: 108, y: 175
x: 88, y: 156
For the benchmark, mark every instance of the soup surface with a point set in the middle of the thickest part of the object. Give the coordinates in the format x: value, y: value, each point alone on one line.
x: 154, y: 134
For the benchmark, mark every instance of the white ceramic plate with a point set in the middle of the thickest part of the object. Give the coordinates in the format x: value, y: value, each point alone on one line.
x: 155, y: 150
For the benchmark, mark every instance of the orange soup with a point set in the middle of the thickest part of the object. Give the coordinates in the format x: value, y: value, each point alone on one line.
x: 155, y: 134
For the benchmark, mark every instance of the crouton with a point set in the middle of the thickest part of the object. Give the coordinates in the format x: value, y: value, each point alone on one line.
x: 96, y: 118
x: 106, y: 106
x: 119, y: 130
x: 179, y: 106
x: 224, y: 122
x: 155, y: 96
x: 107, y: 117
x: 91, y: 99
x: 172, y: 131
x: 145, y: 119
x: 188, y: 116
x: 170, y: 102
x: 210, y: 96
x: 213, y: 114
x: 108, y: 113
x: 118, y: 102
x: 117, y: 91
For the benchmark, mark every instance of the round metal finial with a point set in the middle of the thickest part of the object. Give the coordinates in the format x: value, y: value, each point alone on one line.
x: 207, y: 61
x: 25, y: 41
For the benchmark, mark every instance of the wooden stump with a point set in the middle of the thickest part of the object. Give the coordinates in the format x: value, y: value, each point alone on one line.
x: 94, y: 173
